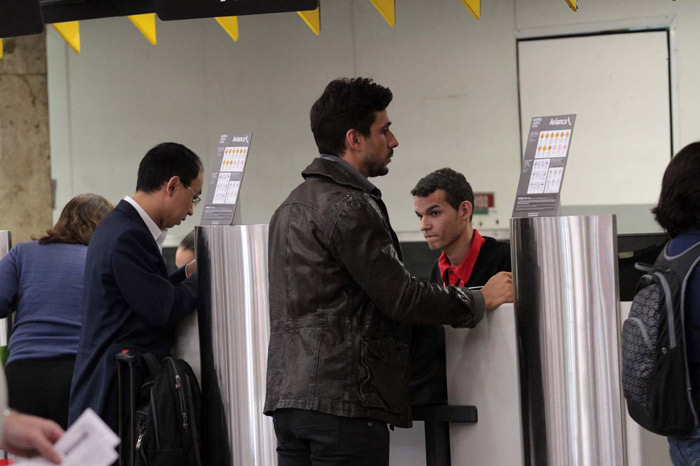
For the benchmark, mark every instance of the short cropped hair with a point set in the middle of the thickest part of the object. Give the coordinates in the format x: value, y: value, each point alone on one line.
x: 164, y: 161
x: 457, y: 188
x: 187, y: 242
x: 346, y: 104
x: 78, y: 220
x: 678, y: 209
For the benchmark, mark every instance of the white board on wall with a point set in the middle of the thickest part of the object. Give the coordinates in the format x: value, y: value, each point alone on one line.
x: 618, y: 85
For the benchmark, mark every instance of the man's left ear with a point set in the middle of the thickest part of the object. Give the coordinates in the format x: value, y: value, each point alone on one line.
x: 352, y: 139
x: 172, y: 184
x: 466, y: 209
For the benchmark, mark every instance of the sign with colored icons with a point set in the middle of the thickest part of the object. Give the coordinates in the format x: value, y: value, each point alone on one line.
x: 225, y: 181
x: 542, y: 173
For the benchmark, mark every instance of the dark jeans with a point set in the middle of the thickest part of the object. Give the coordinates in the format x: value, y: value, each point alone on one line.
x: 311, y: 438
x: 41, y: 387
x: 685, y: 451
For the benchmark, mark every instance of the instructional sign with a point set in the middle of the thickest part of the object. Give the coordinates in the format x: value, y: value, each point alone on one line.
x: 225, y: 181
x: 546, y: 153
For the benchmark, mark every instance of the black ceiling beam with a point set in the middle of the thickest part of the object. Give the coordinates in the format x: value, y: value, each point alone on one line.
x: 59, y: 11
x: 186, y: 9
x: 23, y: 17
x: 20, y: 17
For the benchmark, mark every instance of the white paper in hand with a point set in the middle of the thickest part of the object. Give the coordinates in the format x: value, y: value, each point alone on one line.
x: 88, y: 442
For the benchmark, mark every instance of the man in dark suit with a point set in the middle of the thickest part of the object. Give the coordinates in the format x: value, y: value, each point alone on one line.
x: 130, y: 302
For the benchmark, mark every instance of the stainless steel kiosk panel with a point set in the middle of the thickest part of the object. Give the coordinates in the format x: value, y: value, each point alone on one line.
x: 5, y: 246
x: 234, y: 333
x: 567, y: 309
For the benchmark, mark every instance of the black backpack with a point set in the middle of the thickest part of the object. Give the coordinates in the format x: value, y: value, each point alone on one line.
x: 655, y: 377
x: 168, y: 415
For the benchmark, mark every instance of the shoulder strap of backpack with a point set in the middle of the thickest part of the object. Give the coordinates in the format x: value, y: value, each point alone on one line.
x: 151, y: 363
x: 644, y: 267
x: 682, y: 263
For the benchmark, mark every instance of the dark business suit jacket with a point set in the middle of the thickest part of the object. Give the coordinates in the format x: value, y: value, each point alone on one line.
x: 130, y: 302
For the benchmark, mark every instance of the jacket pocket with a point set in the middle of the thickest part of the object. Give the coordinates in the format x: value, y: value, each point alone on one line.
x: 384, y: 375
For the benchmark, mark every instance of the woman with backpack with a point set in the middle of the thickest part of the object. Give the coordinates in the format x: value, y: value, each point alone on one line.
x: 678, y: 212
x: 42, y: 282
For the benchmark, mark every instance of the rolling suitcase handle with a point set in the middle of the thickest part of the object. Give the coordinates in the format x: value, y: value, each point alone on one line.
x: 126, y: 447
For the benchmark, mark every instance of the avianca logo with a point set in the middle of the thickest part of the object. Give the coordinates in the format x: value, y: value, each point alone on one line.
x: 560, y: 121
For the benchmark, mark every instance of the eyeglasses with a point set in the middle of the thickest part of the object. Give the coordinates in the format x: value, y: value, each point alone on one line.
x: 195, y: 198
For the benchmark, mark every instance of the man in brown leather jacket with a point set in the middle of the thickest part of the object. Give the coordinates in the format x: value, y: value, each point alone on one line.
x: 340, y: 297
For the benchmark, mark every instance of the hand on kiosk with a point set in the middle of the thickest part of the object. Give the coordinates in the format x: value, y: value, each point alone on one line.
x: 498, y: 290
x: 190, y: 268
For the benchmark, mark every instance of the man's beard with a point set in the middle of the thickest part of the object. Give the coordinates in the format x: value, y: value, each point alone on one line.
x: 376, y: 166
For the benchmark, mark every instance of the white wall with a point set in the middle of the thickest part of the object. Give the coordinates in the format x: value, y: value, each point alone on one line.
x: 454, y: 80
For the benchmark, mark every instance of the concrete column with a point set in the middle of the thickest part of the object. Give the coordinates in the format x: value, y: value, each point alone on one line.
x: 25, y: 166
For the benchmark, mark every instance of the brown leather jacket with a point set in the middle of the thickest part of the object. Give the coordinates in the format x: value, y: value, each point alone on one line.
x: 341, y: 299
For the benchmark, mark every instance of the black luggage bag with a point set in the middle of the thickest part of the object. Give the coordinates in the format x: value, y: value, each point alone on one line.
x: 163, y: 420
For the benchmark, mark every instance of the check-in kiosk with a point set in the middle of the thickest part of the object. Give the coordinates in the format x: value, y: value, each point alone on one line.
x: 5, y: 324
x: 234, y: 332
x: 543, y: 374
x: 541, y: 378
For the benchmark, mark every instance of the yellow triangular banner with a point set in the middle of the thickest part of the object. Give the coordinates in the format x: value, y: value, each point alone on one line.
x: 573, y: 4
x: 0, y: 48
x: 312, y: 19
x: 70, y: 31
x: 474, y: 6
x: 147, y: 25
x: 387, y: 9
x: 230, y: 25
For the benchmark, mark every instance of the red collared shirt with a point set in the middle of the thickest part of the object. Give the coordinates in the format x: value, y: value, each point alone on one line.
x: 459, y: 276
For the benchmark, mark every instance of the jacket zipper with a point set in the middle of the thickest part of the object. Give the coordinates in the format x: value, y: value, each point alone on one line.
x: 181, y: 394
x: 155, y: 420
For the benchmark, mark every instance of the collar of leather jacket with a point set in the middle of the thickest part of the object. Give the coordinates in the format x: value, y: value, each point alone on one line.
x: 340, y: 173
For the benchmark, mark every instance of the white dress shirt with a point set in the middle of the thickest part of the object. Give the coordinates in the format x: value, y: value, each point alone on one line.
x: 158, y: 233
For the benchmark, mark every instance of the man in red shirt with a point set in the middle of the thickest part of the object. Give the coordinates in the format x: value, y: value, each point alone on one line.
x: 444, y: 203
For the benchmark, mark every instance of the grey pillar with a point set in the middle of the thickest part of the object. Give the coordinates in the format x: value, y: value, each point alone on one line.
x: 25, y: 164
x: 567, y: 307
x: 234, y: 331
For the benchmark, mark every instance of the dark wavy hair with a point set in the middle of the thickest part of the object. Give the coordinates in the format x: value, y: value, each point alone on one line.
x: 678, y: 209
x: 457, y: 188
x: 78, y: 220
x: 346, y: 104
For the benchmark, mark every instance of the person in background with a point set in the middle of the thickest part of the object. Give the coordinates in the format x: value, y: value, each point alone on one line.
x: 130, y: 300
x: 678, y: 212
x: 24, y: 435
x: 185, y: 251
x: 42, y: 282
x: 444, y: 203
